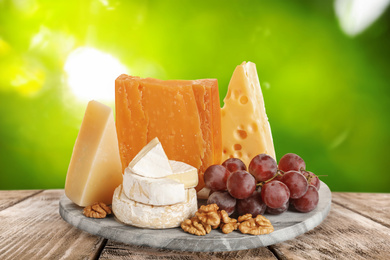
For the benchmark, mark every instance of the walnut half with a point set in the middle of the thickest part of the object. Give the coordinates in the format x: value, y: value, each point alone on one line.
x: 256, y: 226
x: 209, y: 215
x: 195, y: 226
x: 97, y: 210
x: 228, y: 224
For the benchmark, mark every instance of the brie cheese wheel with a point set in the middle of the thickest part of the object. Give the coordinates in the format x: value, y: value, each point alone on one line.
x: 184, y: 173
x: 141, y: 215
x: 162, y: 191
x: 151, y: 161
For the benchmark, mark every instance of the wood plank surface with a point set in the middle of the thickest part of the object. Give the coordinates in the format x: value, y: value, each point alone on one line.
x: 115, y: 250
x: 33, y: 229
x: 375, y: 206
x: 357, y: 227
x: 11, y: 197
x: 344, y: 234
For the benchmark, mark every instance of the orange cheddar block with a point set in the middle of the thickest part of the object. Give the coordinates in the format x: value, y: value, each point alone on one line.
x: 185, y: 115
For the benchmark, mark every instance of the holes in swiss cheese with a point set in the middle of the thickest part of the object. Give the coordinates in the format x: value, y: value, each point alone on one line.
x: 241, y: 134
x: 252, y: 128
x: 244, y: 100
x: 236, y: 94
x: 237, y: 147
x: 229, y: 93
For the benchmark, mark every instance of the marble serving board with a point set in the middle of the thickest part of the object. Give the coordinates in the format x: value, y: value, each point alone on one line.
x: 287, y: 226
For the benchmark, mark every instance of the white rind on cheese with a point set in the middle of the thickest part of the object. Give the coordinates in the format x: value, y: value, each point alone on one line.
x: 141, y: 215
x: 162, y: 191
x: 151, y: 161
x: 184, y: 173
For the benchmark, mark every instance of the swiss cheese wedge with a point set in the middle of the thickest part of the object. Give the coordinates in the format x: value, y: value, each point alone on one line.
x: 183, y: 114
x: 246, y: 131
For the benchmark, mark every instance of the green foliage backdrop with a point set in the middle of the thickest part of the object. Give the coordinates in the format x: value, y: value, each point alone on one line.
x: 326, y: 93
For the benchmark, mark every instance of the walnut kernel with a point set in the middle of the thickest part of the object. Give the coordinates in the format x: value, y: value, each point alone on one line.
x: 256, y: 226
x: 97, y: 210
x: 195, y: 226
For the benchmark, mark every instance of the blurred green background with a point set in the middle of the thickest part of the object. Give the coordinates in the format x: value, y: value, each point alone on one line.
x: 324, y: 67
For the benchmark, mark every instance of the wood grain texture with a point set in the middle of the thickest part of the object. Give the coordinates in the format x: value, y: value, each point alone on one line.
x: 11, y: 197
x: 343, y: 235
x: 33, y: 229
x: 115, y: 250
x: 357, y: 227
x: 375, y: 206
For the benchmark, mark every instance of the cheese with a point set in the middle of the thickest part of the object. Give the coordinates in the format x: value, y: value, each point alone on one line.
x: 95, y: 168
x: 183, y: 114
x: 151, y: 161
x: 141, y: 215
x: 162, y: 191
x: 184, y: 173
x: 246, y: 131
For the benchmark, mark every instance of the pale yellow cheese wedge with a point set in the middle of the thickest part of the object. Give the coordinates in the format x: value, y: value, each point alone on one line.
x: 95, y: 167
x: 246, y: 131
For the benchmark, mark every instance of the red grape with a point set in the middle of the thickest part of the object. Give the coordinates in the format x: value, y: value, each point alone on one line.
x: 275, y: 194
x: 263, y: 167
x: 253, y: 205
x: 215, y: 177
x: 223, y: 200
x: 234, y: 164
x: 241, y: 184
x: 307, y: 202
x: 291, y: 162
x: 312, y: 179
x: 296, y: 183
x: 278, y: 210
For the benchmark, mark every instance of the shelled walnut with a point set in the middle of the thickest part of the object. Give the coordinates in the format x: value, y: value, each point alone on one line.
x: 209, y: 217
x: 97, y: 210
x: 256, y: 226
x: 228, y: 224
x: 195, y: 226
x: 209, y: 214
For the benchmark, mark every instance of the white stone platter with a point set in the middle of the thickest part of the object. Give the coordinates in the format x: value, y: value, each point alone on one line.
x: 287, y: 226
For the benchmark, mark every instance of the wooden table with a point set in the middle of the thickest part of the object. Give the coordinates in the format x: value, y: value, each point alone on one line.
x: 357, y: 227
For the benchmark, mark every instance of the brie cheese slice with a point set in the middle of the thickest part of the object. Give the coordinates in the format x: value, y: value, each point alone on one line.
x: 151, y: 161
x: 152, y: 191
x: 184, y: 173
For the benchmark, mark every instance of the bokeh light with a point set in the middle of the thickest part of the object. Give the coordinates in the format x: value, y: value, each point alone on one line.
x: 91, y: 73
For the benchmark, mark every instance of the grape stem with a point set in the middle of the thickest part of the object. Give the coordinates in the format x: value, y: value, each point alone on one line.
x: 278, y: 173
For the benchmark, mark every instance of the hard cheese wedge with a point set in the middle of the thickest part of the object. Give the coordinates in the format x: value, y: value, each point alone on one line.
x: 95, y: 168
x: 141, y: 215
x: 151, y: 161
x: 246, y: 131
x: 184, y: 115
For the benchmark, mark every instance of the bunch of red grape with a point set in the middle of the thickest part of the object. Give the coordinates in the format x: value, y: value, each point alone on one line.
x: 265, y: 187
